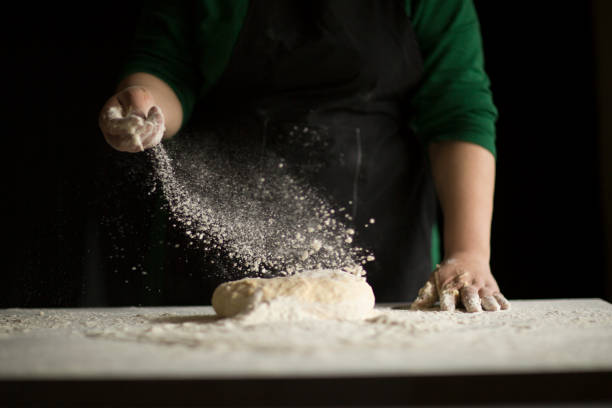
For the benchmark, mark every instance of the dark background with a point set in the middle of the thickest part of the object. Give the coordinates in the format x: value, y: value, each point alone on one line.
x: 61, y: 66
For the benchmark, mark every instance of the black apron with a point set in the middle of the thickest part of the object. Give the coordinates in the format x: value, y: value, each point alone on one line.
x: 337, y: 76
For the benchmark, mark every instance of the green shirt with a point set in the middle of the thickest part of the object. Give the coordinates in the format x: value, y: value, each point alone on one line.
x: 188, y: 45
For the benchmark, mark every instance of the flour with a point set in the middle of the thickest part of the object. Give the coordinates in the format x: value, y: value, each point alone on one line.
x: 473, y: 303
x: 192, y: 342
x: 250, y: 211
x: 537, y: 328
x: 136, y: 126
x: 489, y: 303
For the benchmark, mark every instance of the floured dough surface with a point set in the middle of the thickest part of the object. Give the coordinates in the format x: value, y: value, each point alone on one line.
x: 315, y: 294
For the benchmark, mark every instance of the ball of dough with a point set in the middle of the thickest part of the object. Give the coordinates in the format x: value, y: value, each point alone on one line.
x: 326, y: 294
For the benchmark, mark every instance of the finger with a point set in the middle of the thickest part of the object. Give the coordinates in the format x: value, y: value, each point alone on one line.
x: 137, y: 142
x: 458, y: 280
x: 448, y: 299
x: 135, y: 101
x: 449, y: 291
x: 150, y: 139
x: 114, y: 112
x: 470, y: 299
x: 156, y: 119
x: 155, y: 115
x: 132, y: 128
x: 152, y: 134
x: 427, y: 296
x: 125, y: 134
x: 107, y: 115
x: 489, y: 303
x: 503, y: 302
x: 149, y: 134
x: 123, y: 125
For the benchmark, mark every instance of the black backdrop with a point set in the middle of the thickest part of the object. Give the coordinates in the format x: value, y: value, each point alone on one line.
x: 61, y: 65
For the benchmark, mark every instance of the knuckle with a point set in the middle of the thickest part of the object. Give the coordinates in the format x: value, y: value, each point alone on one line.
x: 484, y: 292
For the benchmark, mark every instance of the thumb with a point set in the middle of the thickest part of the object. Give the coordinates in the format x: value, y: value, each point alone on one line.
x: 135, y: 100
x: 427, y: 296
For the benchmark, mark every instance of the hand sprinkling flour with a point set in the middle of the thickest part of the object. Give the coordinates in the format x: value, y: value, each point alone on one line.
x: 135, y: 128
x: 131, y: 122
x: 249, y: 210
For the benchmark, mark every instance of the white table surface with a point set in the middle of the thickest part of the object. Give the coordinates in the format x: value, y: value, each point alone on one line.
x: 535, y: 336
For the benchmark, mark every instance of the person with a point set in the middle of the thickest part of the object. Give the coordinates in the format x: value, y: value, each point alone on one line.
x: 397, y: 89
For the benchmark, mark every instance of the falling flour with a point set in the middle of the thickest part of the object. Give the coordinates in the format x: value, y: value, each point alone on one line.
x: 250, y: 211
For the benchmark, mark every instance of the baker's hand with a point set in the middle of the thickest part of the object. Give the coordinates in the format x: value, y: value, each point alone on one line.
x: 464, y: 279
x: 130, y: 120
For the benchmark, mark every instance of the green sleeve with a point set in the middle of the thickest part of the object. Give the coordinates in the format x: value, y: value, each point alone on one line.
x: 186, y: 44
x: 454, y: 100
x: 163, y: 45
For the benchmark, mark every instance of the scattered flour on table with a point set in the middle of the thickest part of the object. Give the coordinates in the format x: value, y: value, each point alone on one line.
x: 532, y: 335
x: 201, y: 327
x: 384, y: 327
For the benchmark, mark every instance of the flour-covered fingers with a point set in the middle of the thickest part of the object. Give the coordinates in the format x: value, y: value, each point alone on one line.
x: 448, y: 290
x: 113, y: 112
x: 155, y: 127
x: 114, y: 121
x: 136, y: 143
x: 109, y: 117
x: 490, y: 304
x: 133, y: 132
x: 427, y: 296
x: 130, y: 120
x: 155, y: 116
x: 122, y: 140
x: 148, y: 134
x: 471, y: 299
x: 131, y: 129
x: 448, y: 299
x: 503, y: 302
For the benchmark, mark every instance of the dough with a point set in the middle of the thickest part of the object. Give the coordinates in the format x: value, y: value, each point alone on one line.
x: 318, y: 294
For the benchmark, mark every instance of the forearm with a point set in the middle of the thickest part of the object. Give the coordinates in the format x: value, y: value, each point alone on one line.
x: 464, y: 177
x: 163, y: 96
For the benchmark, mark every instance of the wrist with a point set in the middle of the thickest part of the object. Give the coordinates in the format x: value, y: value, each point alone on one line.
x: 468, y: 236
x: 474, y: 255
